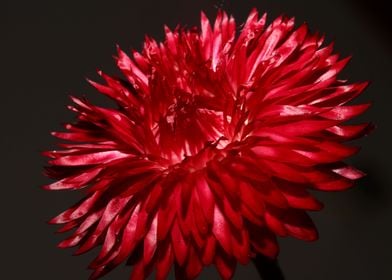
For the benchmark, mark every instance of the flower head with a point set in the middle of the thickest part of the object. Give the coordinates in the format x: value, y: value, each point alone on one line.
x: 209, y: 155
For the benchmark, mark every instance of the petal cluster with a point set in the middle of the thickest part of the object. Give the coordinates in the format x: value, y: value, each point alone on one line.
x: 217, y: 135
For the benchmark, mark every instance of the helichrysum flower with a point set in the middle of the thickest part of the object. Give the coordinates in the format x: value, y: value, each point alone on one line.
x: 211, y: 150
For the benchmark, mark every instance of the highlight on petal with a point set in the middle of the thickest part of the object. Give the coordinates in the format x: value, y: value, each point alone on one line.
x: 211, y: 150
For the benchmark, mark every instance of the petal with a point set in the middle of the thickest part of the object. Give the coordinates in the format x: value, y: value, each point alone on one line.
x: 179, y: 244
x: 225, y: 265
x: 221, y: 230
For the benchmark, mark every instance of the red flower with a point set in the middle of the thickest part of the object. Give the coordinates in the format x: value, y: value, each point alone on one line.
x: 211, y: 150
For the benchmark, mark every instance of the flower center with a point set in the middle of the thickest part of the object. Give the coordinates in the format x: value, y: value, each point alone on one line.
x: 187, y: 127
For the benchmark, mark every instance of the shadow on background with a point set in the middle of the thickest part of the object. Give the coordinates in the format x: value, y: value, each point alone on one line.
x: 371, y: 186
x: 377, y: 13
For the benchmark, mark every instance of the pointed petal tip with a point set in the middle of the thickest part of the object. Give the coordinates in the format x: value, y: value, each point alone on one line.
x: 45, y: 154
x: 90, y: 82
x: 63, y: 244
x: 349, y: 172
x: 312, y: 237
x: 78, y: 252
x: 253, y: 11
x: 370, y: 128
x: 46, y: 187
x: 304, y: 26
x: 97, y: 273
x: 166, y: 28
x: 320, y: 206
x: 203, y: 18
x: 74, y: 98
x: 344, y: 61
x: 364, y: 85
x: 51, y: 221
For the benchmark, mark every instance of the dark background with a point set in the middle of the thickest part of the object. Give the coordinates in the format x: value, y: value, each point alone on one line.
x: 50, y: 46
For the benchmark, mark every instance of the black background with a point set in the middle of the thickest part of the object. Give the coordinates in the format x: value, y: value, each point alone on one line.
x: 48, y: 47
